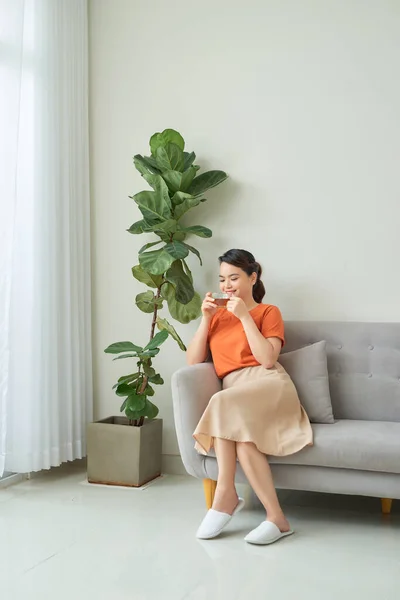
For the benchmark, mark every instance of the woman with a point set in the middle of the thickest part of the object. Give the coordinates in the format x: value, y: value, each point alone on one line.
x: 258, y: 410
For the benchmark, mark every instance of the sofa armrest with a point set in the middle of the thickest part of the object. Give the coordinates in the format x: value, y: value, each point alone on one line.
x: 192, y: 388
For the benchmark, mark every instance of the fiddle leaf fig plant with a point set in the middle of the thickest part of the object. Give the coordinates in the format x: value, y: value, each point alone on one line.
x: 163, y: 265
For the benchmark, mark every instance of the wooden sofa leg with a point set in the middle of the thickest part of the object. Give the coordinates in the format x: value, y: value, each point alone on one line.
x: 386, y: 505
x: 209, y: 491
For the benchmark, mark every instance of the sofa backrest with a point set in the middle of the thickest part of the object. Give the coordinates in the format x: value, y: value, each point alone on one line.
x: 363, y: 365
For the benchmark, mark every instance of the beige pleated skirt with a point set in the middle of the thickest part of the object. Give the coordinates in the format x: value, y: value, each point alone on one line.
x: 256, y: 405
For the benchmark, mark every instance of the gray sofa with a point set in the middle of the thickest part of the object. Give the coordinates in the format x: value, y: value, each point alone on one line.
x: 358, y: 454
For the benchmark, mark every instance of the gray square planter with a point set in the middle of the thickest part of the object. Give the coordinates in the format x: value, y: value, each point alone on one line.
x: 119, y: 454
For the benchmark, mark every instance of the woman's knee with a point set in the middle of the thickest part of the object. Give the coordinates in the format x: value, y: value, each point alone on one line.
x: 245, y: 448
x: 215, y: 401
x: 223, y: 442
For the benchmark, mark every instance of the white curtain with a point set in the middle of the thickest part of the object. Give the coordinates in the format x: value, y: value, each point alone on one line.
x: 45, y: 336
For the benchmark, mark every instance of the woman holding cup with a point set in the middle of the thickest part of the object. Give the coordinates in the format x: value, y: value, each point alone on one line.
x: 257, y: 412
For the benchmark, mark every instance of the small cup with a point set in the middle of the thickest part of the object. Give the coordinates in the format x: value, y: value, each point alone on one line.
x: 221, y: 299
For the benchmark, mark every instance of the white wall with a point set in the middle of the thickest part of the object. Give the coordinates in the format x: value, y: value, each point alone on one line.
x: 298, y: 100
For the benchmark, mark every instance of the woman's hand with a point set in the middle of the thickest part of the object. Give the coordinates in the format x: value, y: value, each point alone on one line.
x: 237, y: 307
x: 208, y: 308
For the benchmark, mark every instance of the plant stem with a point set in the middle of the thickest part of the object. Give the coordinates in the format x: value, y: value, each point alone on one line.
x: 153, y: 326
x: 143, y: 386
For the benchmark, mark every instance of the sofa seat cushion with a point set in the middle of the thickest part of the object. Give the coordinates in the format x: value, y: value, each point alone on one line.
x: 364, y: 445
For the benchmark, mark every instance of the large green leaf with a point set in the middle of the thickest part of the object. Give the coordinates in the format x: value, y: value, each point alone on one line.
x: 187, y: 177
x: 170, y: 158
x: 126, y: 379
x: 195, y: 251
x: 179, y: 236
x: 189, y: 159
x: 131, y: 414
x: 140, y: 227
x: 146, y: 301
x: 123, y: 389
x: 150, y: 410
x: 163, y: 324
x: 164, y: 138
x: 122, y: 347
x: 149, y: 353
x: 178, y: 181
x: 168, y: 226
x: 135, y: 403
x: 157, y: 379
x: 168, y: 234
x: 152, y: 206
x: 149, y: 245
x: 160, y: 187
x: 177, y: 249
x: 187, y: 203
x: 184, y: 290
x: 180, y: 197
x: 153, y: 281
x: 148, y: 390
x: 157, y: 340
x: 145, y: 165
x: 157, y: 204
x: 173, y: 179
x: 205, y: 181
x: 123, y: 405
x: 148, y: 370
x: 187, y: 270
x: 156, y: 262
x: 134, y: 355
x: 199, y: 230
x: 184, y: 313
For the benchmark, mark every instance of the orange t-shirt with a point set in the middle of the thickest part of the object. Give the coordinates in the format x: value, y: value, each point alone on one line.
x: 228, y: 342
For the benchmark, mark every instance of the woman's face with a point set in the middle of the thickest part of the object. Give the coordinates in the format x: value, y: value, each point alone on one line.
x: 235, y: 281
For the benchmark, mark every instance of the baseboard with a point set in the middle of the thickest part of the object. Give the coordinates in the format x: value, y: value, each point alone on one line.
x: 11, y: 480
x: 172, y: 465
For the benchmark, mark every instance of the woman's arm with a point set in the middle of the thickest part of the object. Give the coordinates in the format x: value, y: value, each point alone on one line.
x: 197, y: 351
x: 265, y: 350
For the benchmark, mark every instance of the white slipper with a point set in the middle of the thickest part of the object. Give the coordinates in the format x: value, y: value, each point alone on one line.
x: 266, y: 533
x: 214, y: 522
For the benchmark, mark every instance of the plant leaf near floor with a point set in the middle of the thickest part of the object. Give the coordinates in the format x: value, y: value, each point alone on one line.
x: 163, y: 264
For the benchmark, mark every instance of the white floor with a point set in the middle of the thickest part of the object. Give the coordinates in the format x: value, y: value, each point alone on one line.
x: 61, y: 539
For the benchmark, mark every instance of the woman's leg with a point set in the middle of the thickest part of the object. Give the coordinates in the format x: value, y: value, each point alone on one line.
x: 225, y: 499
x: 258, y: 472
